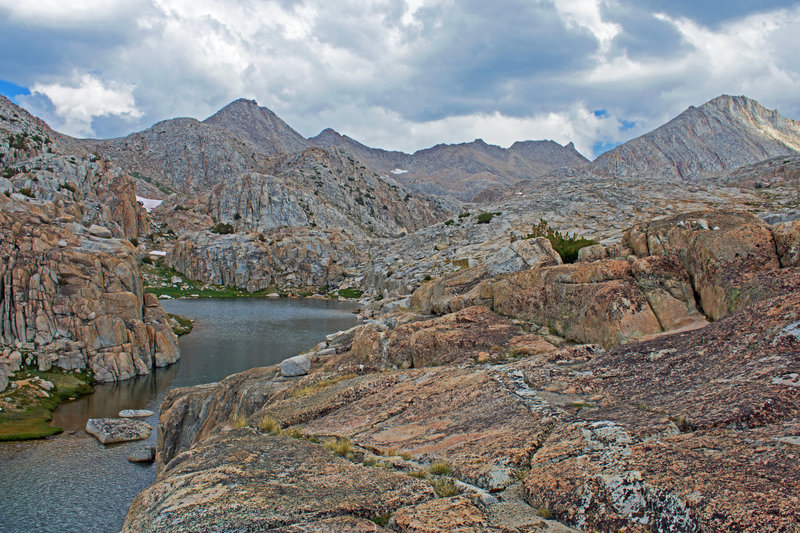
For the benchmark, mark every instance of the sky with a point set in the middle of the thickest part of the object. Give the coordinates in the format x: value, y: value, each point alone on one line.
x: 399, y: 74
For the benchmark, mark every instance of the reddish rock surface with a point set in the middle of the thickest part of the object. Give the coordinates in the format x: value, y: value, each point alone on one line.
x: 717, y: 248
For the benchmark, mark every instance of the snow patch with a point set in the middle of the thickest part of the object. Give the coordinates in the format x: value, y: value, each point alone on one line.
x: 160, y: 253
x: 148, y: 203
x: 398, y: 171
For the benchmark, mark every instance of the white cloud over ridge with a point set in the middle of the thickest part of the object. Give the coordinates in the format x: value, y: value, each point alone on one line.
x: 78, y: 105
x: 399, y: 74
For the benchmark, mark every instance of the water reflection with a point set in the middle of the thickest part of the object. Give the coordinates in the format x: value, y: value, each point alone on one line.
x: 111, y: 398
x: 73, y: 483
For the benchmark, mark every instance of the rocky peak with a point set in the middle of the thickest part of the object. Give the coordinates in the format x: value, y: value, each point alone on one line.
x: 259, y: 126
x: 722, y: 134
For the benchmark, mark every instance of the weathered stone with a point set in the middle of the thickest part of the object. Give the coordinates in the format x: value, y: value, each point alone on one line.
x: 717, y: 248
x: 443, y: 514
x: 299, y: 365
x: 277, y: 482
x: 135, y: 413
x: 457, y: 337
x: 100, y: 231
x: 523, y: 254
x: 85, y: 299
x: 787, y: 242
x: 143, y: 455
x: 596, y: 302
x: 111, y: 430
x: 593, y: 252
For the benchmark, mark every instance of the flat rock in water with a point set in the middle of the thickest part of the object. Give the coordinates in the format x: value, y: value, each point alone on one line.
x: 143, y: 455
x: 111, y: 430
x: 135, y: 413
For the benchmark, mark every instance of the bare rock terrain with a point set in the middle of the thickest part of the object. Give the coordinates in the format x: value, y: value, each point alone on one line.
x: 692, y: 429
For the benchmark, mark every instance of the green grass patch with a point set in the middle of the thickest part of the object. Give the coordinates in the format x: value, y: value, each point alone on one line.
x: 351, y: 292
x: 180, y: 325
x: 27, y: 415
x: 382, y: 519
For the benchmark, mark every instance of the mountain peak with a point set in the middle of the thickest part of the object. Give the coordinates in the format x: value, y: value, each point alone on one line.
x: 724, y: 133
x: 259, y: 126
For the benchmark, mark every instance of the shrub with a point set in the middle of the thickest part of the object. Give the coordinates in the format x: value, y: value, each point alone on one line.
x: 222, y: 229
x: 444, y: 488
x: 485, y: 218
x: 10, y: 172
x: 340, y: 447
x: 351, y: 292
x: 294, y: 433
x: 439, y: 468
x: 270, y: 425
x: 239, y: 421
x: 382, y: 519
x: 465, y: 214
x: 27, y: 192
x: 544, y: 512
x: 566, y: 245
x: 448, y: 222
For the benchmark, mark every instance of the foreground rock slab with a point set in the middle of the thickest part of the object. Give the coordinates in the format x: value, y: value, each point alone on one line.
x: 243, y: 480
x: 112, y: 430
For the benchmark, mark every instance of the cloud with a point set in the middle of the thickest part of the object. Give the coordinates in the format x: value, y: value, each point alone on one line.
x: 533, y: 68
x: 87, y: 98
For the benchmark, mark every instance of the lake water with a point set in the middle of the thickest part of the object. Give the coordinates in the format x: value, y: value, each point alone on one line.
x: 71, y: 482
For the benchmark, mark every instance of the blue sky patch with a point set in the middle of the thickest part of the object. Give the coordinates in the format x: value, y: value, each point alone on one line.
x: 10, y: 90
x: 603, y: 146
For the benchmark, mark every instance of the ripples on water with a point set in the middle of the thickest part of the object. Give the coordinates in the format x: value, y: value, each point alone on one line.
x: 71, y: 482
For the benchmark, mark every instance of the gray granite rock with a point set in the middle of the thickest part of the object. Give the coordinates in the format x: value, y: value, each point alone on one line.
x: 135, y: 413
x: 111, y: 430
x: 299, y: 365
x: 143, y: 455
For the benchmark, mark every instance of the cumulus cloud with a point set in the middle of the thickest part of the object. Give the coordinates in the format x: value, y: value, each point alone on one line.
x: 400, y: 74
x: 86, y: 98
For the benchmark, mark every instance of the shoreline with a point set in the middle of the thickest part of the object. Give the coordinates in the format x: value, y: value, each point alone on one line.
x: 31, y: 398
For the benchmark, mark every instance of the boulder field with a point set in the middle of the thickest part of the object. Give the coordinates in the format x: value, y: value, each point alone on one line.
x: 654, y: 386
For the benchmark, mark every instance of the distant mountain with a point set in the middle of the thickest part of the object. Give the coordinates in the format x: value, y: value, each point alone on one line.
x: 182, y: 155
x: 722, y: 134
x: 248, y: 121
x: 463, y: 170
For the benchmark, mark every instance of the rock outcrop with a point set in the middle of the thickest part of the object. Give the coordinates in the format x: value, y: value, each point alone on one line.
x: 293, y: 257
x: 722, y: 134
x: 319, y: 188
x: 720, y: 250
x: 684, y: 432
x: 259, y: 126
x: 77, y: 299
